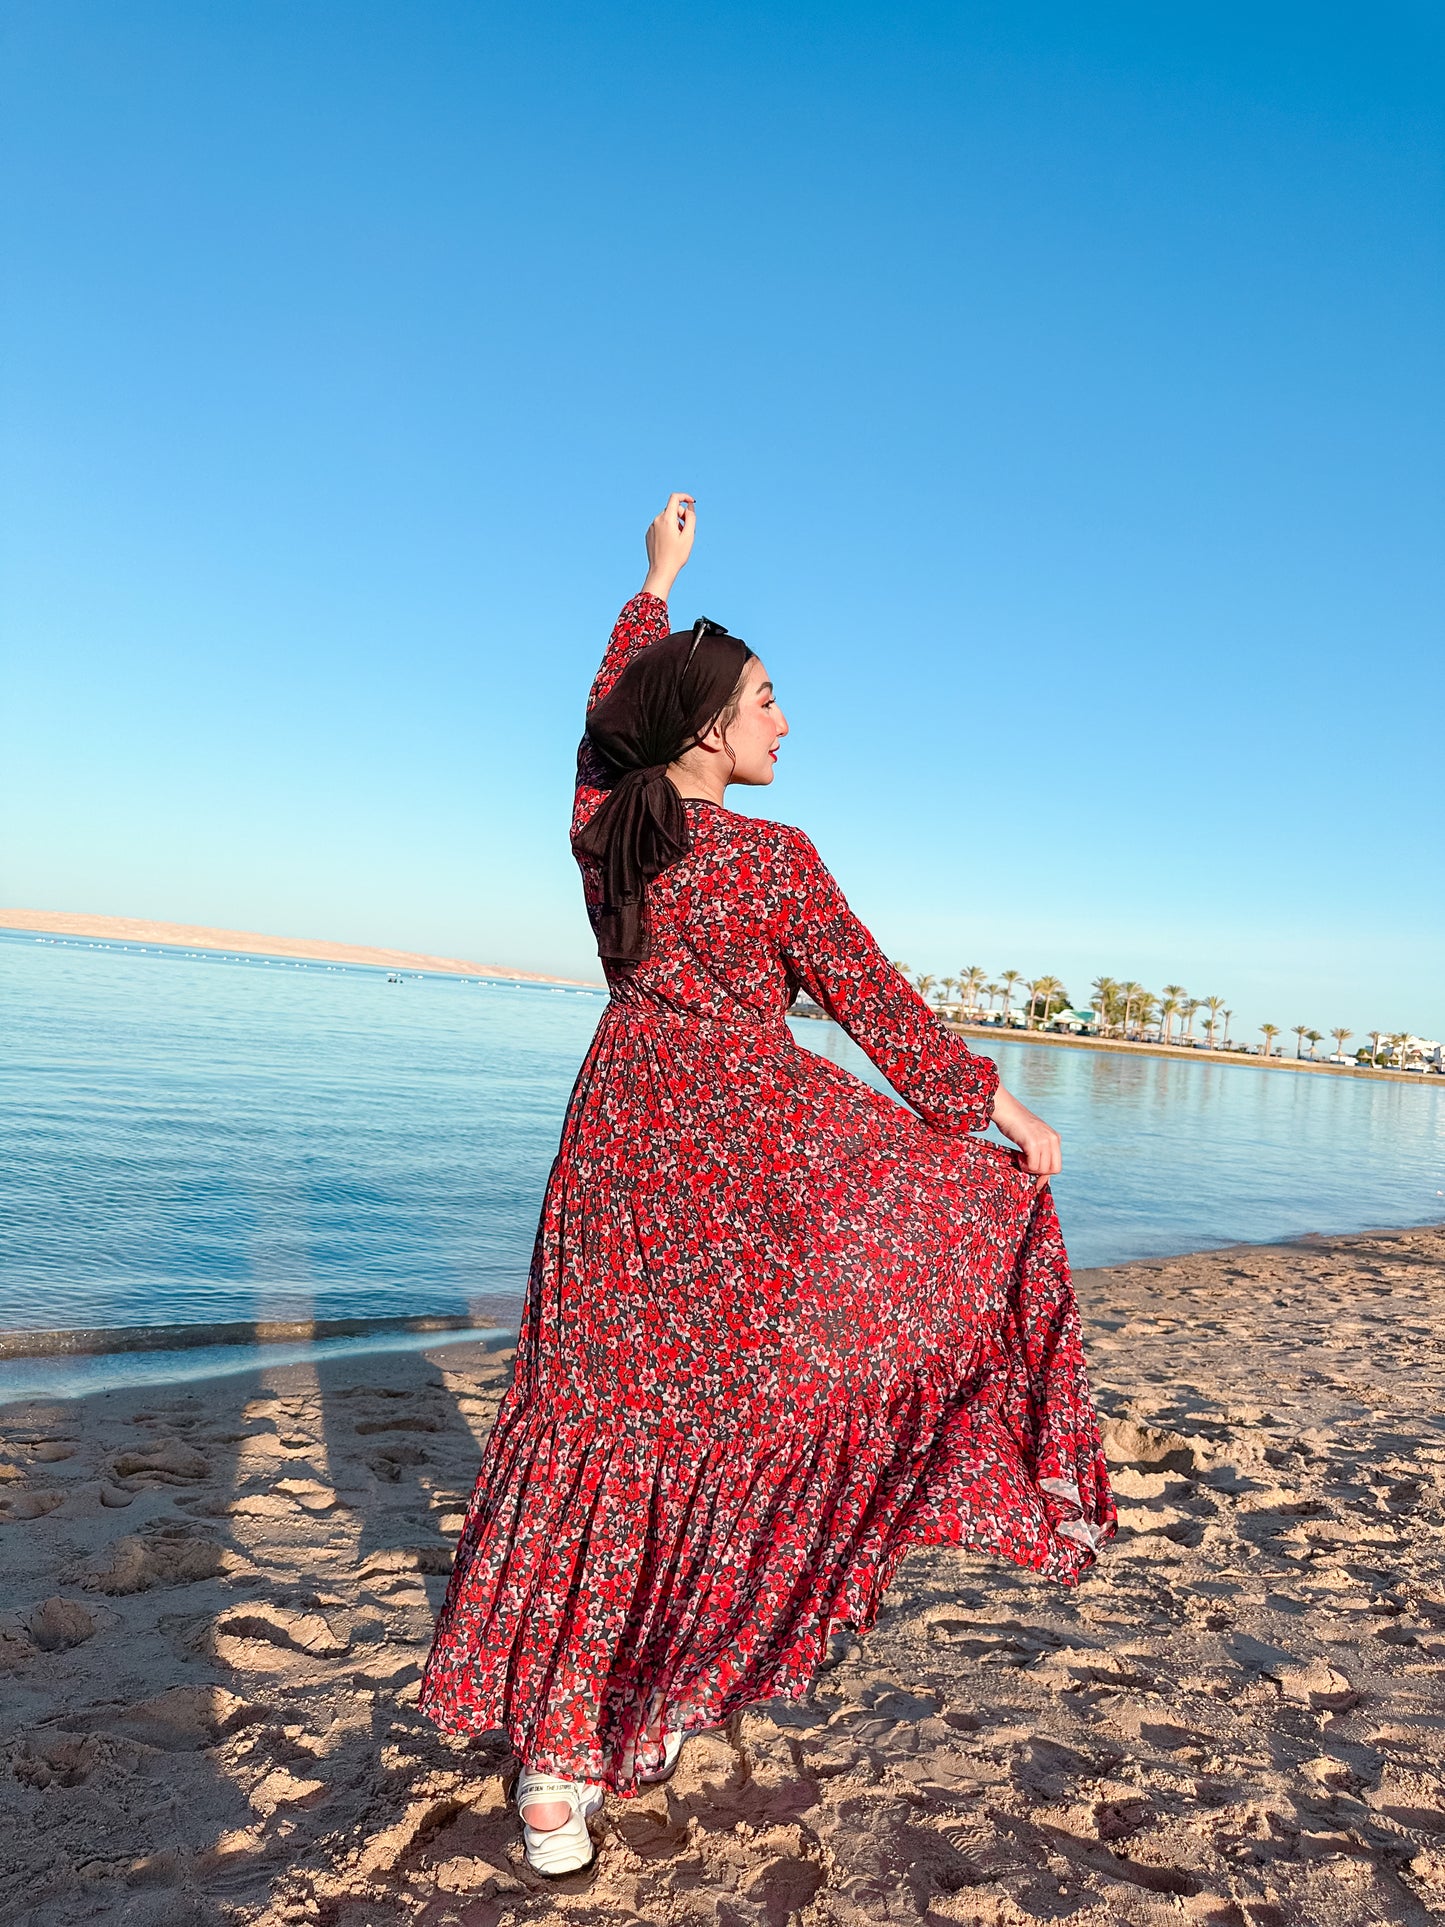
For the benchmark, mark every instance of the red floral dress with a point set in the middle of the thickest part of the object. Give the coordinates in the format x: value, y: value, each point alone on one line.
x: 778, y: 1329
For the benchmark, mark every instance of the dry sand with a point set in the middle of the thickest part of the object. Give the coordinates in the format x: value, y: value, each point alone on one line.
x: 251, y: 943
x: 222, y: 1595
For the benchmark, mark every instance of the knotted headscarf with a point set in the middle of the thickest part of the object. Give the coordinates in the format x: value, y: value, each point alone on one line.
x: 665, y: 698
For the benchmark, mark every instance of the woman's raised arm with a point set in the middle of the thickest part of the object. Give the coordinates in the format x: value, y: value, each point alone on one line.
x: 644, y: 619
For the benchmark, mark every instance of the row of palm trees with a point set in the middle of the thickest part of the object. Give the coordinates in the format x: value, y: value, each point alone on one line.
x: 1124, y: 1008
x: 1046, y: 995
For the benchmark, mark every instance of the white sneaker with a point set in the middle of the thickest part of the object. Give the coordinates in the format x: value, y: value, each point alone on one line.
x: 564, y: 1849
x: 671, y: 1751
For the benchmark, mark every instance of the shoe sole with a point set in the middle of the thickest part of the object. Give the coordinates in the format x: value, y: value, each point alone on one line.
x: 567, y: 1873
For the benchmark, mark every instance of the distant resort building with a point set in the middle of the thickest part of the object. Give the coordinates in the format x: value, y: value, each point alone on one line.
x: 1080, y: 1022
x: 1405, y: 1054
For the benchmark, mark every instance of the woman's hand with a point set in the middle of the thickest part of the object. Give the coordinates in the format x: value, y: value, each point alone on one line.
x: 1043, y: 1154
x: 669, y: 544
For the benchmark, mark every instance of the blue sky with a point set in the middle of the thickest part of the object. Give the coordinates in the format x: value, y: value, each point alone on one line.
x: 1061, y: 389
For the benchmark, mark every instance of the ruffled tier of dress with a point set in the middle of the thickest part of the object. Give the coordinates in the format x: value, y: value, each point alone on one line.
x: 745, y: 1550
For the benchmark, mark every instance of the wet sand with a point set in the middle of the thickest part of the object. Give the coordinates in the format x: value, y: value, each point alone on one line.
x: 219, y: 1597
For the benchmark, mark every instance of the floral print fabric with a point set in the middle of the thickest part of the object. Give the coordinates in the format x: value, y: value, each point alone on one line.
x: 778, y: 1329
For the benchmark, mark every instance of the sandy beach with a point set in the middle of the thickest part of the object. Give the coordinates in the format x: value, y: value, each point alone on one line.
x: 218, y: 1597
x: 252, y: 943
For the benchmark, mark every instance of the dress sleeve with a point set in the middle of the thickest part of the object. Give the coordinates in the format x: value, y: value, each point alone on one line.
x: 642, y: 621
x: 836, y: 960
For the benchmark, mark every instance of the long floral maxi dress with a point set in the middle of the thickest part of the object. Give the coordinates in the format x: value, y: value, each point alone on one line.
x: 778, y: 1329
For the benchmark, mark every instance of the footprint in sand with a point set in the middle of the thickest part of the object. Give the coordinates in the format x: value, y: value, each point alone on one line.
x: 273, y: 1639
x: 168, y: 1462
x: 164, y: 1555
x: 281, y: 1499
x: 431, y: 1559
x: 17, y: 1648
x: 57, y: 1624
x: 1048, y: 1770
x: 782, y: 1887
x: 1127, y: 1443
x: 184, y: 1719
x: 70, y: 1759
x: 393, y: 1460
x: 1000, y: 1642
x: 1315, y: 1684
x: 16, y: 1506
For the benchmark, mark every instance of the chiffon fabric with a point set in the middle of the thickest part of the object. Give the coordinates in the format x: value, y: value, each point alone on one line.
x: 779, y: 1328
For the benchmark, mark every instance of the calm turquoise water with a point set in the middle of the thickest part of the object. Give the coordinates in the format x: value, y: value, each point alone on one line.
x: 197, y: 1140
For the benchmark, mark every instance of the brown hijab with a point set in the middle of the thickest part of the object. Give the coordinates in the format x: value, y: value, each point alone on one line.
x: 666, y: 697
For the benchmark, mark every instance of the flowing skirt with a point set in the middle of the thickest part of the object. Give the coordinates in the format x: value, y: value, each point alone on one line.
x: 777, y: 1332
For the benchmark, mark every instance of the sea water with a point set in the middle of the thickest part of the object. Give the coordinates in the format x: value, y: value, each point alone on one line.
x: 198, y: 1139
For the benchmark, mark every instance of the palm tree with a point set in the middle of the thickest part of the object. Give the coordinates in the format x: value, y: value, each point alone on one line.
x: 1340, y: 1037
x: 1213, y: 1005
x: 1271, y: 1031
x: 1131, y: 993
x: 1034, y: 987
x: 1398, y: 1041
x: 923, y: 985
x: 1376, y: 1037
x: 1174, y: 995
x: 947, y: 985
x: 1227, y: 1015
x: 991, y: 991
x: 1008, y: 978
x: 1299, y: 1039
x: 1105, y: 990
x: 1052, y: 995
x: 970, y: 982
x: 1314, y: 1037
x: 1191, y: 1004
x: 903, y: 969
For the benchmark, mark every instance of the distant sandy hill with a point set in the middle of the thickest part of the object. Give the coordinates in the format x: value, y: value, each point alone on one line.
x: 185, y: 936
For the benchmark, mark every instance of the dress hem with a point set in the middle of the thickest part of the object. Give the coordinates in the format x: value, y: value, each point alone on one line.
x: 726, y: 1611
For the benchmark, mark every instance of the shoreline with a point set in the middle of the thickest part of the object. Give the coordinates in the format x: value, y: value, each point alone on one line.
x: 141, y: 1341
x: 149, y: 934
x: 104, y: 1341
x: 1057, y: 1039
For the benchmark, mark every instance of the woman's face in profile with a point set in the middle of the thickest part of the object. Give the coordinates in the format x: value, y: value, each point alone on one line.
x: 759, y: 726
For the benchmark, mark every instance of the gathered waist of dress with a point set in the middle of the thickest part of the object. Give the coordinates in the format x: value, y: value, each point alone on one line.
x: 647, y: 1014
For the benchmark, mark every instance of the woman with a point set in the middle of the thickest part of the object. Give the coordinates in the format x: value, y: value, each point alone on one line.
x: 778, y: 1328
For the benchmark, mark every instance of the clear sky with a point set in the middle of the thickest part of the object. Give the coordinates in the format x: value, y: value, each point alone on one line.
x: 1061, y: 388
